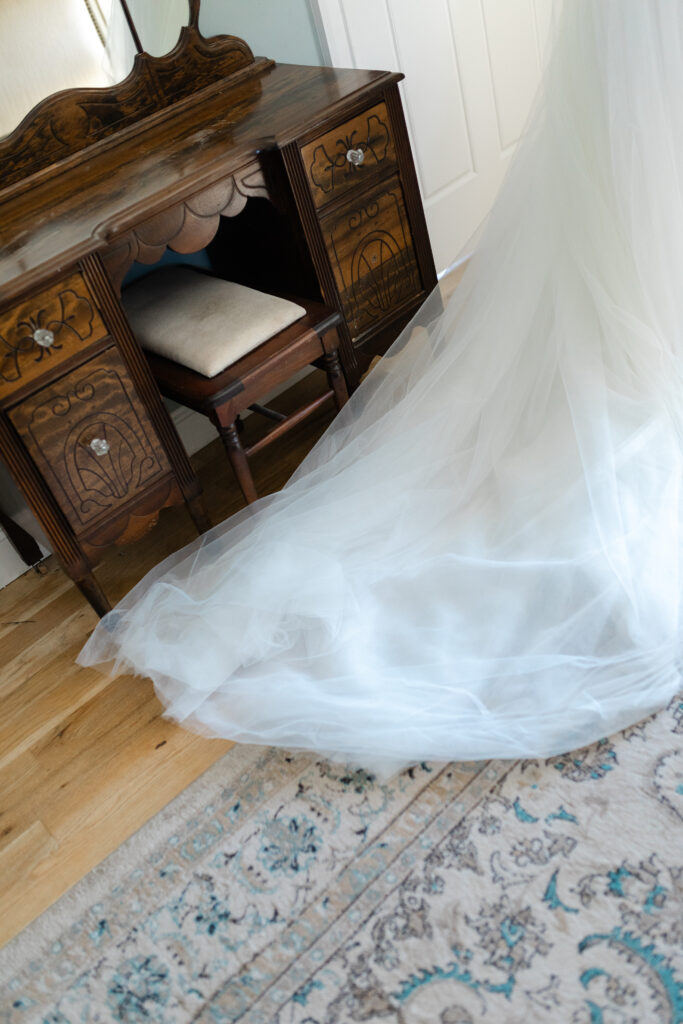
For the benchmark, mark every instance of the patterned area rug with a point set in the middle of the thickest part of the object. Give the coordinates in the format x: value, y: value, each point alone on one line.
x: 282, y: 890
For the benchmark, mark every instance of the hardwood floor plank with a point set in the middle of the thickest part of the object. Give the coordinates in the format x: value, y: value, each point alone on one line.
x: 34, y: 644
x: 44, y: 701
x: 93, y: 807
x: 22, y: 784
x: 23, y: 855
x: 23, y: 601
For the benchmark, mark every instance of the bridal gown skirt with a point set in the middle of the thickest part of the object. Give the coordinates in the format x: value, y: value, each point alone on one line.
x: 482, y: 556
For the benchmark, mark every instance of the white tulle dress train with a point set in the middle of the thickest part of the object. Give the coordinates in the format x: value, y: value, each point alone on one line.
x: 482, y: 556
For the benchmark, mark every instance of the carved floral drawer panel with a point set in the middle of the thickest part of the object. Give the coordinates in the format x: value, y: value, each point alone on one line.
x: 371, y: 251
x: 91, y: 439
x: 44, y: 330
x: 351, y: 156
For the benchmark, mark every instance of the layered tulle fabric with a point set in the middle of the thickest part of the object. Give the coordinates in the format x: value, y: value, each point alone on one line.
x: 482, y: 556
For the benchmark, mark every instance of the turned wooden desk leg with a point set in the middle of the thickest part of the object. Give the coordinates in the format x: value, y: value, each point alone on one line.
x: 93, y: 593
x: 335, y: 376
x: 197, y: 509
x: 238, y: 459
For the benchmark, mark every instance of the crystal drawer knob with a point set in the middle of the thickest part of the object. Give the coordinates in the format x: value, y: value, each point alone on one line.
x: 43, y: 337
x: 355, y: 156
x: 99, y: 446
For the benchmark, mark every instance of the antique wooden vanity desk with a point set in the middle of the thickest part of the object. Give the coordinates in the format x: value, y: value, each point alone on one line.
x: 93, y: 180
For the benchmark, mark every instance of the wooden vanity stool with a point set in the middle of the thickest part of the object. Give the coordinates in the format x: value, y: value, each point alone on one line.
x: 219, y: 347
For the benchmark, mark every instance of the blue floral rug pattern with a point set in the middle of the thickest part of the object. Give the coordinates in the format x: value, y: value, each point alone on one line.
x: 284, y: 890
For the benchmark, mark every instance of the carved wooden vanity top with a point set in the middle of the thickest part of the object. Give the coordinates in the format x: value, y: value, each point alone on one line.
x: 80, y: 205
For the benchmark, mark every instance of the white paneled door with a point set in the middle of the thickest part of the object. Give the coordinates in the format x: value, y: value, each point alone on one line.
x: 472, y: 68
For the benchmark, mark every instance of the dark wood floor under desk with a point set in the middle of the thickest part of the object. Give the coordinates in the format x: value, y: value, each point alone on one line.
x: 85, y: 760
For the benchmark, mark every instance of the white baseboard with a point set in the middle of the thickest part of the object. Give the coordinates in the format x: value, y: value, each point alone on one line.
x: 11, y: 565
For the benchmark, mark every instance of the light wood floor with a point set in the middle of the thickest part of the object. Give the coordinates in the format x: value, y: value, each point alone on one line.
x: 85, y: 760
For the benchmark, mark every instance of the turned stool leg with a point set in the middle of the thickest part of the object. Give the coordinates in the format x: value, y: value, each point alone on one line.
x: 238, y: 461
x: 335, y: 376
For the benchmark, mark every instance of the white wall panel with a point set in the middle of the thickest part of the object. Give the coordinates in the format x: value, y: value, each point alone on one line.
x: 369, y: 35
x: 442, y: 147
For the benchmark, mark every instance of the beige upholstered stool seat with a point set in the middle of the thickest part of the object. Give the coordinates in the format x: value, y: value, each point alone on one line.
x: 219, y: 348
x: 227, y: 320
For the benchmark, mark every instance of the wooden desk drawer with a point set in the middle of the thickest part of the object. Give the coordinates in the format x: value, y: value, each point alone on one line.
x: 371, y: 251
x: 43, y: 331
x: 91, y: 438
x: 328, y: 159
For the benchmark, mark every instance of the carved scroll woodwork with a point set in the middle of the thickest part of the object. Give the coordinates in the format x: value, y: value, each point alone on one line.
x: 94, y: 403
x: 186, y: 227
x: 69, y: 121
x: 67, y: 311
x: 373, y: 260
x: 330, y: 172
